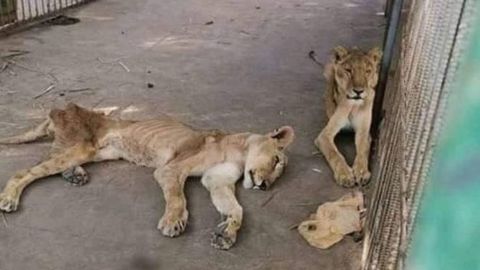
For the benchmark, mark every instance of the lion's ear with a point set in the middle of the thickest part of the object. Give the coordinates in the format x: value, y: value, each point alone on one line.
x: 339, y: 53
x: 375, y: 54
x: 283, y: 135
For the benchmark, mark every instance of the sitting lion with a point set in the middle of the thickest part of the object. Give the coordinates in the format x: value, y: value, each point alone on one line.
x: 351, y: 77
x: 174, y: 149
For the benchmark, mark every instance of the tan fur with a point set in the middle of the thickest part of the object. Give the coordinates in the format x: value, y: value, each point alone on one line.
x: 174, y: 149
x: 347, y: 71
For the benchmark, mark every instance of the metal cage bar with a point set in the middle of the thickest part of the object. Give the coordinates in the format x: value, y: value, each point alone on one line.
x: 15, y: 13
x: 414, y: 104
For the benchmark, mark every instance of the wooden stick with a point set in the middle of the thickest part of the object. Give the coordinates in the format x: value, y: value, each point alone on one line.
x: 79, y: 90
x: 4, y: 66
x: 294, y: 226
x: 14, y: 53
x: 124, y: 66
x: 48, y: 89
x: 307, y: 204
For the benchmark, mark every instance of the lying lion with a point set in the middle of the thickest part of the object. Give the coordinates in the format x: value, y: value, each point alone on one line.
x: 174, y: 149
x: 351, y: 79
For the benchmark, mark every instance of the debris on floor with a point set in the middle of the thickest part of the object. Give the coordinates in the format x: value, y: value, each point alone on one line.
x: 45, y: 91
x: 5, y: 55
x: 61, y: 20
x: 124, y: 66
x: 333, y: 220
x: 312, y: 55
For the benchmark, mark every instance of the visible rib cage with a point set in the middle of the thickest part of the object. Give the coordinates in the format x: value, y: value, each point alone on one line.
x: 156, y: 142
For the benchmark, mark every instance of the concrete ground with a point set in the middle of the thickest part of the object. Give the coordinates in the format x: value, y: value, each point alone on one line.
x: 246, y: 70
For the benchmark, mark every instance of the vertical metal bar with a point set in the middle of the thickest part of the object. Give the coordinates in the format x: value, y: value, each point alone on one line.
x: 388, y: 8
x: 23, y: 10
x: 11, y: 11
x: 388, y: 47
x: 36, y: 8
x: 6, y: 11
x: 2, y: 21
x: 42, y: 7
x: 16, y: 11
x: 29, y: 9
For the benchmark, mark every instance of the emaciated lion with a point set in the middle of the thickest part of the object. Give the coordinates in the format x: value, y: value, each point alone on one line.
x: 176, y: 150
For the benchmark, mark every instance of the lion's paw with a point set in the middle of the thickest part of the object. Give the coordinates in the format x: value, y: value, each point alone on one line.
x: 344, y: 176
x: 361, y: 173
x: 173, y: 225
x: 77, y: 176
x: 8, y: 203
x: 221, y: 239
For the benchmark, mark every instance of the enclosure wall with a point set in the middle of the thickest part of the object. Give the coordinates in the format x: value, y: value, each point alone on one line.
x: 430, y: 43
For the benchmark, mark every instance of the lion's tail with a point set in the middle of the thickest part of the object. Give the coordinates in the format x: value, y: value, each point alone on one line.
x: 31, y: 135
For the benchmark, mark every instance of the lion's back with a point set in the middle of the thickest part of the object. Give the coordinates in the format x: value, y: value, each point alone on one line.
x: 155, y: 142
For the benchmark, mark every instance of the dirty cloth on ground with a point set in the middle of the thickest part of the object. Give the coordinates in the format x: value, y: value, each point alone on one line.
x: 333, y: 220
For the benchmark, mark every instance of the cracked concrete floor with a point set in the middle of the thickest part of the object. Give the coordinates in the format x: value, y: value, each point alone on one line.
x: 248, y: 70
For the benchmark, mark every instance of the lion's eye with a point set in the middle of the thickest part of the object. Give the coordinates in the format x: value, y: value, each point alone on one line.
x: 369, y: 71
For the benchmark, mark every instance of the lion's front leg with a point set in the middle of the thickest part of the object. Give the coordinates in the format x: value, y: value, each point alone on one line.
x: 174, y: 219
x: 220, y: 181
x: 325, y: 142
x: 360, y: 165
x: 362, y: 145
x: 68, y: 158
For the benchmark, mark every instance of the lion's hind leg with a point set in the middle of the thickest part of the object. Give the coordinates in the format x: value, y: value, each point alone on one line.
x: 220, y: 181
x: 76, y: 176
x: 69, y: 158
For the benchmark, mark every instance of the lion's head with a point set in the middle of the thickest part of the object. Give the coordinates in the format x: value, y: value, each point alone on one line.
x: 354, y: 72
x: 266, y: 159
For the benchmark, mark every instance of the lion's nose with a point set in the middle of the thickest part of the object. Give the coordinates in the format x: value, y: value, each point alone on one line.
x: 263, y: 186
x: 358, y: 91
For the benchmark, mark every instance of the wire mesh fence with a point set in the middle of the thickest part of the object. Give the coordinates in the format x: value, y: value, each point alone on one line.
x: 17, y: 12
x: 415, y: 104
